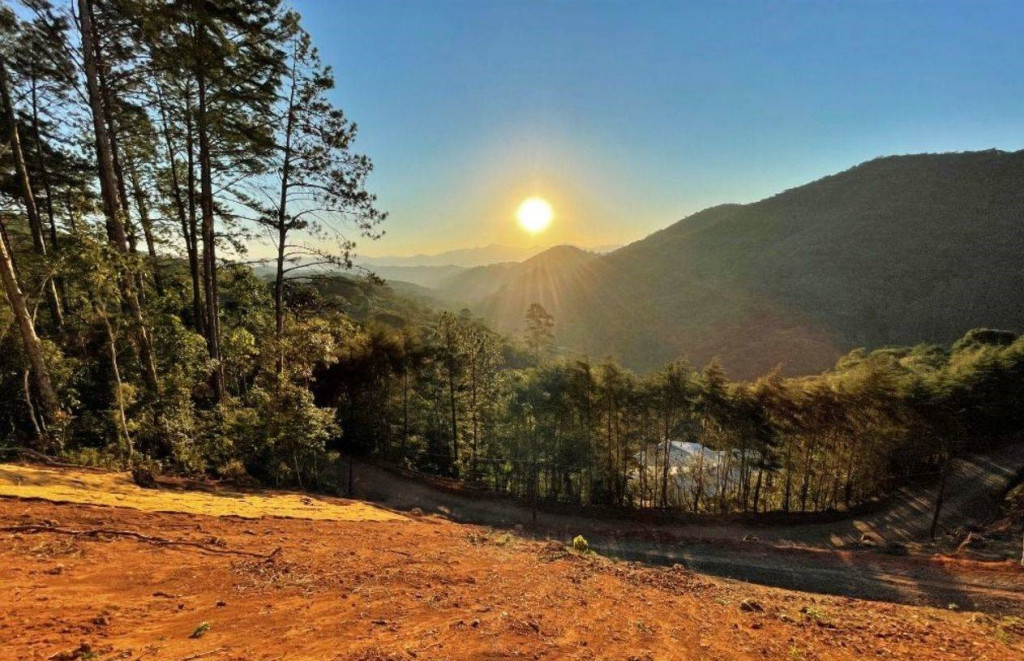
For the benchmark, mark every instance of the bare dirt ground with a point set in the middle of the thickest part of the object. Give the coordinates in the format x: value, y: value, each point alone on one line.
x: 387, y: 587
x: 821, y: 557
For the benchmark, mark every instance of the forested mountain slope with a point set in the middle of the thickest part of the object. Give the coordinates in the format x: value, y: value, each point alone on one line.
x: 525, y: 281
x: 898, y: 250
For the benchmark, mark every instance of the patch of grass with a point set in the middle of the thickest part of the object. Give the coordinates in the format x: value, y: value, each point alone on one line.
x: 817, y: 615
x: 60, y: 547
x: 644, y: 627
x: 201, y: 630
x: 118, y: 490
x: 1009, y: 630
x: 503, y: 539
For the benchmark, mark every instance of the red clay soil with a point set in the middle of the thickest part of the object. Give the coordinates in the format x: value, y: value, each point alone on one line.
x: 422, y: 588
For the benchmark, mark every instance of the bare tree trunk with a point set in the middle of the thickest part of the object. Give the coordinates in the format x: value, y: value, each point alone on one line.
x: 757, y: 487
x: 475, y: 421
x: 191, y: 227
x: 44, y: 176
x: 946, y: 463
x: 106, y: 109
x: 282, y: 219
x: 455, y: 421
x: 26, y: 390
x: 405, y: 409
x: 122, y: 419
x: 142, y: 207
x: 209, y: 241
x: 33, y: 347
x: 21, y: 170
x: 668, y: 456
x: 109, y: 191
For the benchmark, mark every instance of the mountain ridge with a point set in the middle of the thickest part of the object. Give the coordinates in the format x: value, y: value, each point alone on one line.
x: 890, y: 251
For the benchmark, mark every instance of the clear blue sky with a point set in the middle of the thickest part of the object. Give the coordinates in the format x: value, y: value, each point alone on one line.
x: 630, y: 115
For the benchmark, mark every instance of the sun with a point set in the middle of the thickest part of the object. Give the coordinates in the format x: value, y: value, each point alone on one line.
x: 534, y: 215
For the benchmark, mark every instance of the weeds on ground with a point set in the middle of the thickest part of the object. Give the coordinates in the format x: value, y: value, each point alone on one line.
x: 817, y: 615
x: 57, y: 548
x: 1009, y: 630
x: 492, y: 538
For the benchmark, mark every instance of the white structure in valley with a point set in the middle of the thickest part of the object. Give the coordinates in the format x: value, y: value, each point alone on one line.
x: 692, y: 464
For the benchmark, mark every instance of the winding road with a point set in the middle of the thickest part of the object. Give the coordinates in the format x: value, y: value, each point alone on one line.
x: 817, y: 557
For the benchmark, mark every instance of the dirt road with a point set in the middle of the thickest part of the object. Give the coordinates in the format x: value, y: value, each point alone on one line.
x: 974, y: 490
x: 783, y: 556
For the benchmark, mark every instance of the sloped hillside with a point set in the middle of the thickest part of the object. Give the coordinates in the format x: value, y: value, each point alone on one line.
x: 98, y: 582
x: 898, y: 250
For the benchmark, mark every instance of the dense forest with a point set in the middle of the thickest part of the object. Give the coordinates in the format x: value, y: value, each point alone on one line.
x: 148, y: 143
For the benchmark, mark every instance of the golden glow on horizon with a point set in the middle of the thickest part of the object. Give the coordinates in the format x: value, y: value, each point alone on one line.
x: 534, y: 215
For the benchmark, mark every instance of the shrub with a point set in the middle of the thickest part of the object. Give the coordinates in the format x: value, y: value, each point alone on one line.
x: 579, y: 543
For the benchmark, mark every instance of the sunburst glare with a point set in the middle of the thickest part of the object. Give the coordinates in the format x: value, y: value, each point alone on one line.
x: 534, y: 215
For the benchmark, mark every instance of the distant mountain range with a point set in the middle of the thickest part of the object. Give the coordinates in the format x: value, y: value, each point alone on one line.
x: 898, y: 250
x: 464, y: 257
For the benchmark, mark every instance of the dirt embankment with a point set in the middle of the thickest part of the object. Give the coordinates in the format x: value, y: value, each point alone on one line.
x: 409, y: 587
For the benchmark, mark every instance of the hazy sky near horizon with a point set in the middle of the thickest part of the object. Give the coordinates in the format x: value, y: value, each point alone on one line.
x: 628, y: 116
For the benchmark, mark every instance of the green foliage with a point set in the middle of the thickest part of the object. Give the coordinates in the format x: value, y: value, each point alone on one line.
x: 164, y: 349
x: 580, y: 545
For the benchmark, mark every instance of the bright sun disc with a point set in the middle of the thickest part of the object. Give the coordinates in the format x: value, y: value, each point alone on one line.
x: 534, y: 215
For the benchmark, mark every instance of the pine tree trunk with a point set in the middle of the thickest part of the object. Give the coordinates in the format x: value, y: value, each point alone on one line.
x: 209, y: 240
x: 122, y: 419
x: 108, y: 190
x: 946, y: 464
x: 282, y: 236
x: 33, y: 347
x: 668, y: 457
x: 455, y: 421
x: 475, y: 422
x: 21, y: 170
x: 282, y: 219
x: 192, y: 232
x: 405, y: 410
x: 757, y: 487
x: 44, y: 176
x: 106, y: 109
x: 146, y: 222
